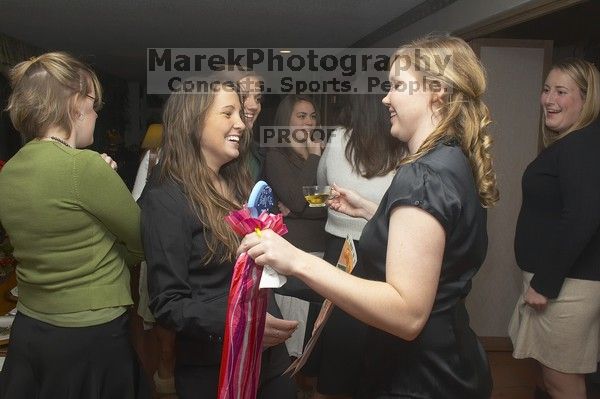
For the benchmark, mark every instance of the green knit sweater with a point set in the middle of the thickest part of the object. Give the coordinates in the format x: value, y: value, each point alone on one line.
x: 74, y: 226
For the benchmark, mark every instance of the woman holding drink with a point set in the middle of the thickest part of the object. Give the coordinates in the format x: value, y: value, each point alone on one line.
x: 426, y: 239
x: 291, y: 163
x: 348, y: 160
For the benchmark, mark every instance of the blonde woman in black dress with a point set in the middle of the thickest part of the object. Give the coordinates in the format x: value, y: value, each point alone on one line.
x: 426, y: 239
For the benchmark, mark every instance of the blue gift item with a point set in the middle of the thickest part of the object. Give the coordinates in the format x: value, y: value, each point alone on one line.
x: 261, y: 198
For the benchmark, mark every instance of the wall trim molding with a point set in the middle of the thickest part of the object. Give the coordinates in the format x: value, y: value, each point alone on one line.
x: 411, y: 16
x: 514, y: 16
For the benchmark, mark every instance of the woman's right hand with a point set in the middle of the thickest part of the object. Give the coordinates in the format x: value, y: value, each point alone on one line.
x: 535, y: 300
x: 348, y: 202
x: 109, y: 161
x: 268, y: 247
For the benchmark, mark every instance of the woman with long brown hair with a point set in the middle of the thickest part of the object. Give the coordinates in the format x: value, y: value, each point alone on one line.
x: 202, y: 175
x: 291, y: 162
x: 426, y: 239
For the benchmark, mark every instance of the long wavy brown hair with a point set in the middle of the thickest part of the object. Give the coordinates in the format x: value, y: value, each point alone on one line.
x: 371, y: 150
x: 182, y: 161
x: 462, y: 115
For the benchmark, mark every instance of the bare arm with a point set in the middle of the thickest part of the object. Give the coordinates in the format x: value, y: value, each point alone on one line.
x: 402, y: 304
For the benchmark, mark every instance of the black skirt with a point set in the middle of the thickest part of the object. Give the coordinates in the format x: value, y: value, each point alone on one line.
x: 48, y: 362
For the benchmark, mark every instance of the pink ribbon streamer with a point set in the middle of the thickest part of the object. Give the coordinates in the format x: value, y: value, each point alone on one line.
x: 246, y: 313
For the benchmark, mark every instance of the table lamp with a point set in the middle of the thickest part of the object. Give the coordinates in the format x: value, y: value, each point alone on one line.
x: 153, y: 137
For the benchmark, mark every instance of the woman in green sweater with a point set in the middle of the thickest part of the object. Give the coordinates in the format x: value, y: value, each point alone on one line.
x: 75, y: 229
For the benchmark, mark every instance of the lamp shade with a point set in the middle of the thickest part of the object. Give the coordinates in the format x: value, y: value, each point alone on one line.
x: 153, y: 137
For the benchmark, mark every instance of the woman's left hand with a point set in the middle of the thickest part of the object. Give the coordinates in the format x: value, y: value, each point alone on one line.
x: 277, y: 331
x: 109, y: 161
x: 271, y: 249
x: 535, y: 299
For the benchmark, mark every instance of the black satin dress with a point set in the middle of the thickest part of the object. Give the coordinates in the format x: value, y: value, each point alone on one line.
x: 446, y: 360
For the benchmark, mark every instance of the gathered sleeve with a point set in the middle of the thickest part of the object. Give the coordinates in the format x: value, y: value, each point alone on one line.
x: 416, y: 184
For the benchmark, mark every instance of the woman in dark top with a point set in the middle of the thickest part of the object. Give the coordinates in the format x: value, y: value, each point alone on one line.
x: 201, y: 177
x: 426, y: 239
x: 291, y: 164
x: 557, y: 242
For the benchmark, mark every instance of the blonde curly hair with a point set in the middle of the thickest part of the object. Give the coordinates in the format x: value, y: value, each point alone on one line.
x: 462, y: 113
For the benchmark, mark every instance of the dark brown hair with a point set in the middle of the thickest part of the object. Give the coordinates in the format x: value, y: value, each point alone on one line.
x: 284, y: 113
x: 371, y: 149
x: 183, y: 162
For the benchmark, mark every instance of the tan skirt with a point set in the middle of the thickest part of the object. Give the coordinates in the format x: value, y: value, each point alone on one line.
x: 564, y: 336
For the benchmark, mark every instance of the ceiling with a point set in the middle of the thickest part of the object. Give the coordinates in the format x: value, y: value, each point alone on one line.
x: 114, y: 34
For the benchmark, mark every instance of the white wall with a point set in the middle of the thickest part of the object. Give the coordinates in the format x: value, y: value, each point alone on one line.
x: 514, y: 85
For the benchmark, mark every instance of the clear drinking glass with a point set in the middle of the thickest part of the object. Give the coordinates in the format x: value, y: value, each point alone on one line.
x: 316, y: 196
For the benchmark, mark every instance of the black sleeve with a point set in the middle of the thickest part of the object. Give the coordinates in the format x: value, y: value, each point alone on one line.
x: 167, y: 233
x: 418, y: 185
x: 579, y: 179
x: 298, y: 289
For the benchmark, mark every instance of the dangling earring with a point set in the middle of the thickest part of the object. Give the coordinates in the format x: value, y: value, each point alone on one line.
x: 80, y: 117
